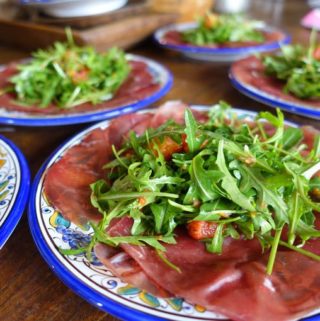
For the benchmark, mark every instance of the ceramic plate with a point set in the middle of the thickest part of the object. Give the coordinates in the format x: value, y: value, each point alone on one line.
x: 271, y: 100
x: 217, y: 54
x: 160, y: 74
x: 14, y: 187
x: 74, y: 8
x: 91, y: 280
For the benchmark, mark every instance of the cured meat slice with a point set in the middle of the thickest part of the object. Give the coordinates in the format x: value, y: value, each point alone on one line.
x: 174, y: 110
x: 287, y: 295
x: 67, y: 181
x: 250, y: 71
x: 234, y: 283
x: 127, y: 269
x: 139, y: 84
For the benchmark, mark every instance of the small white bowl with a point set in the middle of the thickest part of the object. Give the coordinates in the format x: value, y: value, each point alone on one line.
x: 74, y: 8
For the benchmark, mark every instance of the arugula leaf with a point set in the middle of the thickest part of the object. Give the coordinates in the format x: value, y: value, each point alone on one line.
x: 298, y: 68
x: 267, y: 197
x: 274, y: 248
x: 204, y: 180
x: 277, y: 122
x: 191, y: 131
x: 291, y: 137
x: 215, y: 246
x: 162, y: 256
x: 229, y: 183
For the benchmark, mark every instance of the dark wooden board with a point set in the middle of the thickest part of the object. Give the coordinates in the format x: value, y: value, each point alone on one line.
x: 122, y: 28
x: 134, y: 7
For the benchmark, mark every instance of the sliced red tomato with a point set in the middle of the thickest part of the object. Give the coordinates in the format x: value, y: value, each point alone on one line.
x: 79, y: 76
x: 316, y: 53
x: 167, y: 146
x: 200, y: 230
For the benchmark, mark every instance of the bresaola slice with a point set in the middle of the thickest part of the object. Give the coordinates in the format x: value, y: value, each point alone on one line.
x: 138, y: 85
x: 250, y: 72
x: 127, y: 269
x: 233, y: 284
x: 123, y: 265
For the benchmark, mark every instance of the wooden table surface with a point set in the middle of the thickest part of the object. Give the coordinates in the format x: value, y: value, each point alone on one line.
x: 29, y: 291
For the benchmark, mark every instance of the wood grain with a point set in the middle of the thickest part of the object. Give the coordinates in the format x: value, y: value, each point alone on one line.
x: 29, y: 290
x: 102, y: 34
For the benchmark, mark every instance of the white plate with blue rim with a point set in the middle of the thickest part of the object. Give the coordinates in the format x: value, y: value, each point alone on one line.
x: 160, y: 75
x: 296, y: 107
x: 14, y: 187
x: 90, y: 279
x: 218, y: 54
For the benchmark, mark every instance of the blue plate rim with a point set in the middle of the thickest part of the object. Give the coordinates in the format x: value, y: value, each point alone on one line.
x: 271, y: 100
x: 21, y: 199
x: 100, y: 114
x: 221, y: 51
x: 77, y: 286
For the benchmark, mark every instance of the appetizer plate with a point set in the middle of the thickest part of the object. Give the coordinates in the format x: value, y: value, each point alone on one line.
x: 160, y: 75
x: 14, y: 187
x: 218, y: 54
x: 91, y: 280
x: 271, y: 100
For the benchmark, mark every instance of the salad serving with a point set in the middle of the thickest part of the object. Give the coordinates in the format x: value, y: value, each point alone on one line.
x: 298, y: 68
x: 220, y: 29
x: 220, y: 38
x: 200, y: 192
x: 218, y: 179
x: 67, y: 75
x: 288, y: 78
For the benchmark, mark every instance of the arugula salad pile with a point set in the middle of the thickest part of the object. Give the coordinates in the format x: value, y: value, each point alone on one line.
x: 67, y: 75
x: 219, y: 29
x: 229, y: 176
x: 298, y: 67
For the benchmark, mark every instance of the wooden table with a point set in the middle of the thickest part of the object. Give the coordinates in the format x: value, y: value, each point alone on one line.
x: 29, y: 291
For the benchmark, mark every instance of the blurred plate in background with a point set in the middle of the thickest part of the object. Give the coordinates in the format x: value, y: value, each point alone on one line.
x: 219, y: 53
x: 74, y: 8
x: 247, y: 76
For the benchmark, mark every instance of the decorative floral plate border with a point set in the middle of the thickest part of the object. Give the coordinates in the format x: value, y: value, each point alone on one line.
x: 14, y: 187
x: 217, y: 54
x: 159, y: 73
x: 91, y: 280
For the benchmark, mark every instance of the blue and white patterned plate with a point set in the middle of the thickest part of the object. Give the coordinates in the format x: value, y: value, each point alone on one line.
x: 217, y: 54
x: 91, y: 280
x: 160, y: 75
x: 14, y: 187
x: 273, y: 101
